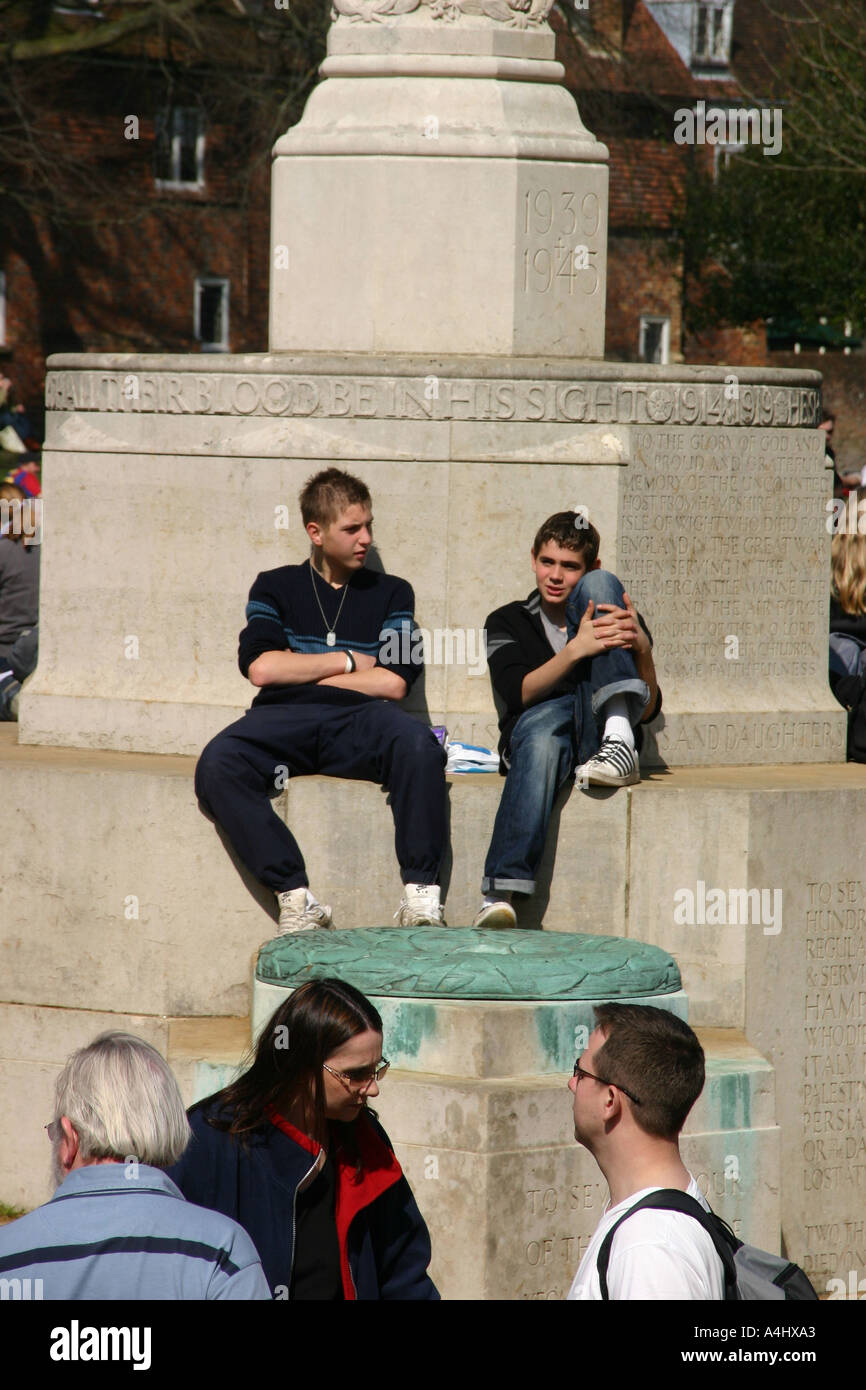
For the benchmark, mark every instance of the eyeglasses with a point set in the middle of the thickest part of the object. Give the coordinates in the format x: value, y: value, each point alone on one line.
x: 580, y: 1073
x: 360, y: 1076
x: 53, y: 1130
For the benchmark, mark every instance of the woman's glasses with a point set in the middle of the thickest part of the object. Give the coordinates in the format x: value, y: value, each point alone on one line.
x: 359, y: 1077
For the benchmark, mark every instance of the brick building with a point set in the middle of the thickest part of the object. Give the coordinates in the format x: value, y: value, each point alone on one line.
x: 155, y: 236
x: 176, y: 257
x: 186, y: 271
x: 634, y: 66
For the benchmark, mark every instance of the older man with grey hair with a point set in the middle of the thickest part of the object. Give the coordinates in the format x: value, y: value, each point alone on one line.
x: 117, y: 1227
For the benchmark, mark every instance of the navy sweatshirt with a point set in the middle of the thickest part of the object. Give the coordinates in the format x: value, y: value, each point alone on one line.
x: 283, y: 615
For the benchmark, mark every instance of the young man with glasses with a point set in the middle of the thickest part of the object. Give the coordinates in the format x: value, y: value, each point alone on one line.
x: 633, y: 1086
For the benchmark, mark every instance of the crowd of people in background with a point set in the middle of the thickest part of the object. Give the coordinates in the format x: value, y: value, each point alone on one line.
x: 848, y: 597
x: 20, y: 536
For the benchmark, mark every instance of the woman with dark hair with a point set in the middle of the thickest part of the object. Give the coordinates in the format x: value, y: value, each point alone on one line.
x: 292, y: 1151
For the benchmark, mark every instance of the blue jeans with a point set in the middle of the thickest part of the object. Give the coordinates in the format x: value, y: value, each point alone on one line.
x: 552, y: 738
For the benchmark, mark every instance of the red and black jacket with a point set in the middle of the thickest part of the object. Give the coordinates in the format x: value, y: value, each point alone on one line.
x: 384, y: 1242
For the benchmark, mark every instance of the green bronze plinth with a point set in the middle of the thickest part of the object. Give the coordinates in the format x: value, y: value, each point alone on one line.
x: 467, y: 963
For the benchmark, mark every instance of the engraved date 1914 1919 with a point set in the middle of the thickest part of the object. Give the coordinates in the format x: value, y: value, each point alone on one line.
x: 568, y: 261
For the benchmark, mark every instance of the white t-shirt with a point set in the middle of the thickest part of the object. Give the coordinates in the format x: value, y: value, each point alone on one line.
x: 655, y: 1255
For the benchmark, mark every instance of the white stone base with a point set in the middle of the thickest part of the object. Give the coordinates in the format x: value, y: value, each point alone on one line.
x: 105, y: 836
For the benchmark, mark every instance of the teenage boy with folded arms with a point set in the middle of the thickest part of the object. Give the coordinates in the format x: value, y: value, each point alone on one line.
x: 316, y: 646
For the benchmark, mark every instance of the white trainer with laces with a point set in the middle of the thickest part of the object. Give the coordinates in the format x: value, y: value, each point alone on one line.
x: 420, y: 907
x: 496, y: 914
x: 614, y: 765
x: 299, y: 911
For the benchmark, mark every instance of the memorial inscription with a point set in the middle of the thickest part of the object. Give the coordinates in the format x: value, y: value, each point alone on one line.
x: 590, y: 402
x: 561, y: 1221
x: 558, y: 227
x: 721, y: 539
x: 833, y: 1126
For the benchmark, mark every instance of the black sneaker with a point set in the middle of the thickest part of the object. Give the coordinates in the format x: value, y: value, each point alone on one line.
x: 614, y: 765
x: 10, y: 689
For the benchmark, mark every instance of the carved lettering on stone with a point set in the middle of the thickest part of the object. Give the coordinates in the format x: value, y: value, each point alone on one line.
x: 587, y: 401
x: 719, y: 545
x: 833, y: 1124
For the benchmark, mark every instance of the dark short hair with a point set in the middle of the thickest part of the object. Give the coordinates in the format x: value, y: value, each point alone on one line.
x: 657, y: 1057
x: 327, y: 494
x: 572, y: 531
x: 827, y: 415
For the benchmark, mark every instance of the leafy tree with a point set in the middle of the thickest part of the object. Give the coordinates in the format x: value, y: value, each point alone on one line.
x: 249, y: 63
x: 82, y: 86
x: 785, y: 236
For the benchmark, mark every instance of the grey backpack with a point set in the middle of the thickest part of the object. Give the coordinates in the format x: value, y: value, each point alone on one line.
x: 750, y: 1274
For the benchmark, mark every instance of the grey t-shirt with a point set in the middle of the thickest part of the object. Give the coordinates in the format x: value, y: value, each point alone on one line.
x: 557, y: 637
x: 19, y: 589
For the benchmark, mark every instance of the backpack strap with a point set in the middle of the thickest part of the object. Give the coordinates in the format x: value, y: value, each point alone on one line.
x: 673, y: 1199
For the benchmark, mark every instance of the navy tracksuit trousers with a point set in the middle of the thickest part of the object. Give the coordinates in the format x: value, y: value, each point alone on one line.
x: 357, y: 736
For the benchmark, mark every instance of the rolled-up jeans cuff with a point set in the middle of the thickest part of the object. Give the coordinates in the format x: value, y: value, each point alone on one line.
x: 637, y: 693
x: 507, y: 885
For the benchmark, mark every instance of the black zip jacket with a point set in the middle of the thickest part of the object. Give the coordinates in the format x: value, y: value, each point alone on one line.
x: 516, y: 645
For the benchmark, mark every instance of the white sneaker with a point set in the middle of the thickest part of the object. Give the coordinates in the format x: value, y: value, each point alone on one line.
x: 496, y: 914
x: 420, y: 907
x: 299, y: 911
x: 614, y: 765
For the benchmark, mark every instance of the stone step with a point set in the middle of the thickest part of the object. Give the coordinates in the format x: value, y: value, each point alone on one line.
x: 129, y: 907
x: 145, y: 913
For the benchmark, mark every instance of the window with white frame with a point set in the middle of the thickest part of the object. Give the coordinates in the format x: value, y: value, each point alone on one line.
x: 2, y: 306
x: 711, y: 35
x: 179, y: 155
x: 211, y: 313
x: 655, y: 339
x: 722, y: 156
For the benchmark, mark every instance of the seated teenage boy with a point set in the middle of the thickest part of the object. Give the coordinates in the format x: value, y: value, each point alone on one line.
x: 327, y: 704
x: 573, y: 678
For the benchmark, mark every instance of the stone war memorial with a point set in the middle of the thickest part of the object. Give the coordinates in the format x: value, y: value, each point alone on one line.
x: 438, y: 280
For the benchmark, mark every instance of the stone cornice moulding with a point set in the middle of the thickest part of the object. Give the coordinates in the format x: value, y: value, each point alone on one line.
x: 522, y: 14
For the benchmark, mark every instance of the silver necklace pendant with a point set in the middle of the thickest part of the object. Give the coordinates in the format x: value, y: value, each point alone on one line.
x: 330, y: 632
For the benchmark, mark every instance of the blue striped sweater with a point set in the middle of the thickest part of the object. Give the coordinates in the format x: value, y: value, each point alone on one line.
x: 283, y: 615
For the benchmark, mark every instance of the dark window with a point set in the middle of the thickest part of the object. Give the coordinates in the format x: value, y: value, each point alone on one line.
x: 212, y: 313
x: 179, y: 158
x: 711, y: 34
x: 654, y: 339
